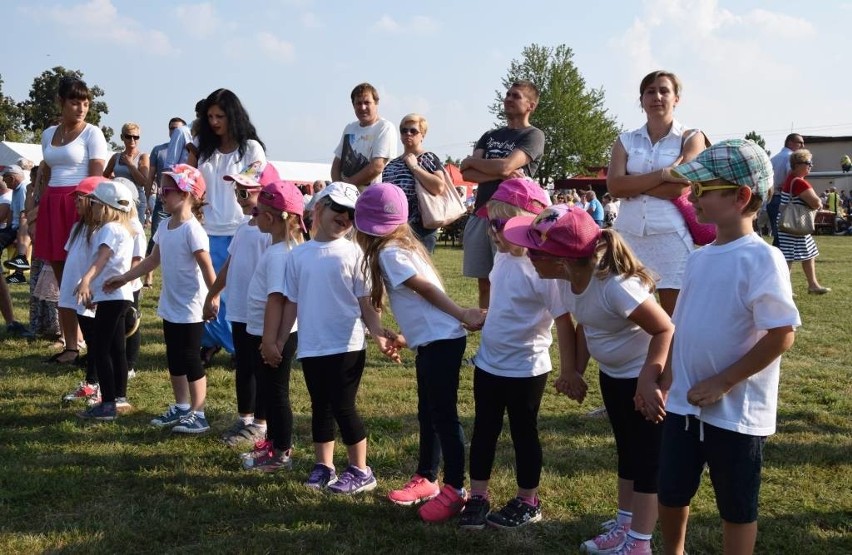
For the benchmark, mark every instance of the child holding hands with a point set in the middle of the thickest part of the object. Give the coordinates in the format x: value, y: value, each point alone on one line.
x: 183, y: 248
x: 734, y: 319
x: 394, y: 259
x: 326, y: 288
x: 619, y: 324
x: 513, y: 362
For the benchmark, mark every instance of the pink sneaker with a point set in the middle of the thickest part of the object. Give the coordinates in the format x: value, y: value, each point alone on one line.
x: 416, y: 490
x: 446, y: 505
x: 632, y: 546
x: 608, y: 542
x: 261, y: 449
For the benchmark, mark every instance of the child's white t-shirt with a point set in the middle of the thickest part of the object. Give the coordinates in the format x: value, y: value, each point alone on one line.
x: 516, y: 337
x: 140, y: 245
x: 732, y: 294
x: 619, y: 345
x: 326, y: 281
x: 419, y: 320
x: 267, y: 279
x: 79, y: 259
x: 183, y: 292
x: 246, y: 250
x: 118, y: 239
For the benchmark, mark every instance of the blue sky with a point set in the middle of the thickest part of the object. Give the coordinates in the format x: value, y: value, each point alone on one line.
x: 769, y: 66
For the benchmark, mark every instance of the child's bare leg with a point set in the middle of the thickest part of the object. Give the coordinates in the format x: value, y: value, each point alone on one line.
x: 644, y: 512
x: 357, y: 454
x: 324, y: 453
x: 625, y: 495
x: 197, y: 393
x: 480, y: 487
x: 180, y: 387
x: 673, y: 526
x: 739, y: 539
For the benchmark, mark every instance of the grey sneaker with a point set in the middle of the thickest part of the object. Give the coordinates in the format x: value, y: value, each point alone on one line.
x: 354, y: 480
x: 321, y: 477
x: 169, y: 418
x: 473, y: 516
x: 241, y: 433
x: 515, y: 514
x: 192, y: 423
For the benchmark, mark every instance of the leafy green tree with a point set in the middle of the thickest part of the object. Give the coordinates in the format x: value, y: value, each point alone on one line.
x: 578, y: 130
x: 453, y: 161
x: 11, y: 123
x: 41, y: 110
x: 757, y: 138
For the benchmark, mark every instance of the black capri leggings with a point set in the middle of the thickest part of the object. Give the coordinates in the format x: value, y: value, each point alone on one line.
x: 521, y: 398
x: 110, y: 356
x: 332, y: 382
x: 183, y: 349
x: 273, y: 387
x: 636, y: 439
x: 245, y: 354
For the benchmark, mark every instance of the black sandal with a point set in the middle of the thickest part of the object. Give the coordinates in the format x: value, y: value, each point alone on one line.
x: 55, y: 358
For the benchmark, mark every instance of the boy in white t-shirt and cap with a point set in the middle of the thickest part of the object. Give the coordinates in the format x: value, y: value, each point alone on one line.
x: 734, y: 319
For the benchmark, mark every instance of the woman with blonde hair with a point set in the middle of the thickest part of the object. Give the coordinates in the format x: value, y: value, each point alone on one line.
x: 416, y: 163
x: 131, y: 164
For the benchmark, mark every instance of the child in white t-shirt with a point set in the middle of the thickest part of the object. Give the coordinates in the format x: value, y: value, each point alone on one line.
x: 394, y: 259
x: 325, y: 286
x: 513, y: 362
x: 734, y: 319
x: 182, y: 246
x: 235, y: 275
x: 279, y: 214
x: 619, y: 324
x: 80, y: 254
x: 110, y: 237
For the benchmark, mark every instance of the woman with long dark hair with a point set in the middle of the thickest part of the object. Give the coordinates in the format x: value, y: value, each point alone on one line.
x: 72, y: 150
x: 227, y: 144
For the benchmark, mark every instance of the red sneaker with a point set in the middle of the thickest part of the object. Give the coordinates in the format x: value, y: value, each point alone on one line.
x: 446, y: 505
x: 416, y: 490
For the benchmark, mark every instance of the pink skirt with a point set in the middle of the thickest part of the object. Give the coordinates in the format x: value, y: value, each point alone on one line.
x: 56, y: 215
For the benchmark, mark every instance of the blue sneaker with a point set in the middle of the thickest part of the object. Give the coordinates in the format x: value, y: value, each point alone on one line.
x: 354, y: 480
x: 321, y: 477
x: 192, y: 423
x: 104, y: 412
x: 169, y: 418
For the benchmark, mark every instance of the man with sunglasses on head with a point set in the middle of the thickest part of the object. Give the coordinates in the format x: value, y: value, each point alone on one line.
x: 504, y: 153
x: 367, y: 144
x: 780, y: 168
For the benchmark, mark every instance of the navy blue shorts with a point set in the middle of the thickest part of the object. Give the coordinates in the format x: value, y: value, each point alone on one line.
x: 734, y: 460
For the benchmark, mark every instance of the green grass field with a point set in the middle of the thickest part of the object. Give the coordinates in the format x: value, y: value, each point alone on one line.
x: 73, y: 487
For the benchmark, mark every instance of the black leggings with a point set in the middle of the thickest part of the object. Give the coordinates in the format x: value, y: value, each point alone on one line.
x: 183, y: 349
x: 110, y: 356
x: 134, y: 342
x: 87, y: 326
x: 521, y: 398
x: 332, y: 382
x: 273, y: 384
x: 245, y: 349
x: 636, y: 439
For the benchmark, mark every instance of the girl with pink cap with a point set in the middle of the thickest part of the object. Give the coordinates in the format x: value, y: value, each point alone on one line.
x: 619, y: 324
x: 183, y: 248
x: 396, y: 260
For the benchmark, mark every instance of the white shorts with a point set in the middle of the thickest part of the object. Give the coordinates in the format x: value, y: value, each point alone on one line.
x: 664, y: 254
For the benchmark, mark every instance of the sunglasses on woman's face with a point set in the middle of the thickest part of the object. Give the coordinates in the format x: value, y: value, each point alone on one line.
x: 340, y: 209
x: 243, y: 193
x: 131, y: 137
x: 409, y: 131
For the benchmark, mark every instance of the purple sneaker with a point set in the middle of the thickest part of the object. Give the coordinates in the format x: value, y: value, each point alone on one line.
x: 354, y: 480
x: 321, y: 477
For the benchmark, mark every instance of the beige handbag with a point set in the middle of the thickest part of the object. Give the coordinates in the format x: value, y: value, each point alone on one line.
x: 439, y: 210
x: 796, y: 219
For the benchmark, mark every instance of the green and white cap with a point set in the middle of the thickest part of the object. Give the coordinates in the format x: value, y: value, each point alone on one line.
x: 736, y: 160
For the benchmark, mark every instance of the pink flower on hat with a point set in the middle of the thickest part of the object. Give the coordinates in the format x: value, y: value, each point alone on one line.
x: 188, y: 179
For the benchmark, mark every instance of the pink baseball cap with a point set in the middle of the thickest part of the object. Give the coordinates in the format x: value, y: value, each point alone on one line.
x: 560, y: 230
x: 187, y: 179
x: 255, y: 175
x: 283, y: 196
x: 88, y: 185
x: 380, y: 209
x: 526, y: 194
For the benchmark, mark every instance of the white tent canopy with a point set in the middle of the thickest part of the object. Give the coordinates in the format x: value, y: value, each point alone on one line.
x: 11, y: 152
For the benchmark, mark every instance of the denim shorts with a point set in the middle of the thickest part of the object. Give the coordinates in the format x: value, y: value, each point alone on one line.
x: 734, y: 460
